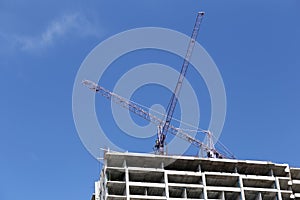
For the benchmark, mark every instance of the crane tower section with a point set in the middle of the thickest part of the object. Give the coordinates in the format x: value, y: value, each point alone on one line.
x: 163, y: 128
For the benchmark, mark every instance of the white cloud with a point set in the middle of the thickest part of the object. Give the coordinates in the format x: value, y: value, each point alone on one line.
x: 67, y: 25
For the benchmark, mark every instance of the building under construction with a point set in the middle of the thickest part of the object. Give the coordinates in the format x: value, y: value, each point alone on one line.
x: 127, y: 176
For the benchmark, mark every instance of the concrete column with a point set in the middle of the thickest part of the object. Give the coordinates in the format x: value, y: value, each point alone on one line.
x: 184, y: 194
x: 222, y: 196
x: 271, y: 172
x: 259, y: 197
x: 97, y: 190
x: 235, y: 170
x: 105, y: 191
x: 242, y: 188
x: 166, y: 184
x: 199, y: 168
x: 278, y: 188
x: 126, y: 180
x: 204, y: 187
x: 104, y: 180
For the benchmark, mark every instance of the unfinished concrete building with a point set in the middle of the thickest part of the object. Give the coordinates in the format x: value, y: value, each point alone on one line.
x: 145, y: 176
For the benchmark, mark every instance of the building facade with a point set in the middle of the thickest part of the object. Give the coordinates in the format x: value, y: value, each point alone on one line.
x: 146, y: 176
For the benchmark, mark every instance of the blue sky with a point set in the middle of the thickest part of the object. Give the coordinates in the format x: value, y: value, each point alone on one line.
x: 255, y: 44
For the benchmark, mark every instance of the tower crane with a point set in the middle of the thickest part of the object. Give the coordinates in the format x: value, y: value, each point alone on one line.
x: 164, y: 126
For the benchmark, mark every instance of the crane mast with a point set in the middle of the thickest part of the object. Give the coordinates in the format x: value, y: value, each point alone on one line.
x: 163, y: 129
